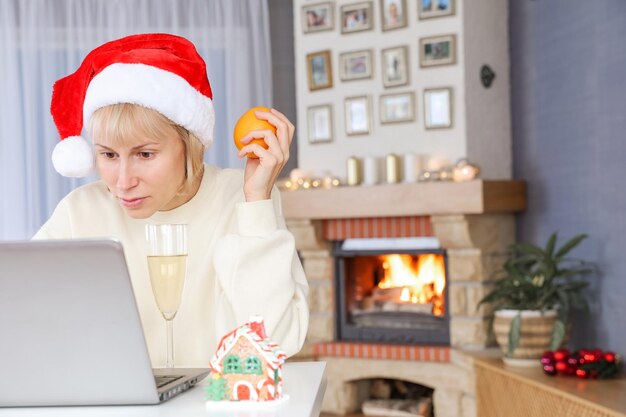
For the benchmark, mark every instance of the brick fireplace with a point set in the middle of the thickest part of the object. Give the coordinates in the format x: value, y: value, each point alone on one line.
x: 473, y: 223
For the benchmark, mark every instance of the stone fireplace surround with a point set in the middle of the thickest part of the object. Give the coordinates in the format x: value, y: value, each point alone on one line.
x: 474, y: 223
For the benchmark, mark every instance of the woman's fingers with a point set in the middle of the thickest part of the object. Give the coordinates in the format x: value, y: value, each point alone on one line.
x: 270, y: 140
x: 291, y: 128
x: 284, y: 128
x: 266, y: 157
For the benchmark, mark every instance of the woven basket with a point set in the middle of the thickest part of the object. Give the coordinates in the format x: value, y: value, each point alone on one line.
x: 535, y: 337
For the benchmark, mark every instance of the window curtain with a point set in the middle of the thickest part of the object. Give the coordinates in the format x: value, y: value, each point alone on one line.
x: 44, y: 40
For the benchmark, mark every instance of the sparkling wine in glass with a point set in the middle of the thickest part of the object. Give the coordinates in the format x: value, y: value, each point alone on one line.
x: 167, y: 262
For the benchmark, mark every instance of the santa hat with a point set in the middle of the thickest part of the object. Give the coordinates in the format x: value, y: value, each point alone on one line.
x: 158, y: 71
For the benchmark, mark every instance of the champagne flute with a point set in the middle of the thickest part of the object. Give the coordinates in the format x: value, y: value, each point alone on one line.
x: 167, y: 261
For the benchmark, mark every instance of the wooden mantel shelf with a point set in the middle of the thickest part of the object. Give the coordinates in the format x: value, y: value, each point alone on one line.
x: 390, y: 200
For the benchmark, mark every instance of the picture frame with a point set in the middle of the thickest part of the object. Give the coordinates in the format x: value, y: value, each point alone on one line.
x: 358, y: 115
x: 437, y: 50
x: 393, y: 14
x: 397, y: 108
x: 427, y: 9
x: 357, y: 17
x: 318, y: 17
x: 395, y: 66
x: 320, y: 123
x: 319, y: 70
x: 438, y: 108
x: 355, y: 65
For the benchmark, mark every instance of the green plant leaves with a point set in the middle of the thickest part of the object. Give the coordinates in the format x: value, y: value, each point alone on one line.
x: 551, y: 244
x: 569, y: 245
x: 514, y: 333
x: 541, y: 278
x: 558, y: 334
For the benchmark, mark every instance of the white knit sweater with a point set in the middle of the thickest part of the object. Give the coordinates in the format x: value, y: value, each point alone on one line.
x: 242, y: 261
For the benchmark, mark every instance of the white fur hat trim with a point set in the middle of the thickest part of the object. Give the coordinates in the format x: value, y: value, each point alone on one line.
x: 155, y: 88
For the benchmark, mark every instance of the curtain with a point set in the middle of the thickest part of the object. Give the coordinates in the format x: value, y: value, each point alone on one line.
x: 44, y: 40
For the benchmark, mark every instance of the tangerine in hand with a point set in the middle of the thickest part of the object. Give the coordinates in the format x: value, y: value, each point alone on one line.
x: 248, y: 122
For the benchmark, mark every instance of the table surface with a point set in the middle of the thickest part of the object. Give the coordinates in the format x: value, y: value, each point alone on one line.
x: 303, y: 382
x: 609, y: 394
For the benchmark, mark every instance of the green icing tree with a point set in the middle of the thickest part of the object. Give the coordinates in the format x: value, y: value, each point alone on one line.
x: 217, y: 390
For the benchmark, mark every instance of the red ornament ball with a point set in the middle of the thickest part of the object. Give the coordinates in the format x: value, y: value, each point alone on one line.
x: 549, y: 369
x: 561, y: 366
x: 590, y: 357
x: 547, y: 360
x: 561, y: 355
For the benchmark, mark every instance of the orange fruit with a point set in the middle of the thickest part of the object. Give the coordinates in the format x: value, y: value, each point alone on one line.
x: 248, y: 122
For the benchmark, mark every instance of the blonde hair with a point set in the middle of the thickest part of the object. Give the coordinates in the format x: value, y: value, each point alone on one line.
x: 119, y: 122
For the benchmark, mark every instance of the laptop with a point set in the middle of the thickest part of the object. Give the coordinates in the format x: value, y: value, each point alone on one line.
x: 70, y: 332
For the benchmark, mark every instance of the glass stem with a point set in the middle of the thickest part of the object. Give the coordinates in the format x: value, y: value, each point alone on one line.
x: 170, y: 343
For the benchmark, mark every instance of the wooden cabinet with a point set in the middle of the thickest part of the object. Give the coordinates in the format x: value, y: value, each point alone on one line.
x: 503, y: 391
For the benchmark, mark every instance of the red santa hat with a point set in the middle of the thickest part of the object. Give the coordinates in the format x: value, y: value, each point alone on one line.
x: 158, y: 71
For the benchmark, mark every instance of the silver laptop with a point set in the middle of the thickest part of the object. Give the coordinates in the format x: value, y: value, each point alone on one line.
x: 70, y: 332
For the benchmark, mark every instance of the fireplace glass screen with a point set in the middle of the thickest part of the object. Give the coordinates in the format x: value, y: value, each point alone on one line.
x: 392, y: 296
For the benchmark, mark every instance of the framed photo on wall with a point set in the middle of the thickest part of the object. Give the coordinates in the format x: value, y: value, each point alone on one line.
x: 318, y: 17
x: 357, y: 17
x: 320, y: 123
x: 395, y: 63
x: 397, y: 108
x: 393, y: 14
x: 437, y: 50
x: 438, y: 108
x: 358, y: 115
x: 355, y: 65
x: 319, y: 70
x: 427, y: 9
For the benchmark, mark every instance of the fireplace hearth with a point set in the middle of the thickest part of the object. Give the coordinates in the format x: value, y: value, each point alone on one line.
x: 391, y: 296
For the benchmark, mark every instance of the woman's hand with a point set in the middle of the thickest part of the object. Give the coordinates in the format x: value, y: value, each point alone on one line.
x: 261, y: 173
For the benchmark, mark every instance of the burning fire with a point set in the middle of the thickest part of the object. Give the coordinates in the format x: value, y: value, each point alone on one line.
x: 422, y: 282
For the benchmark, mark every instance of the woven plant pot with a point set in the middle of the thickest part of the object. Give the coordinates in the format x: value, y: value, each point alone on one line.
x: 535, y: 337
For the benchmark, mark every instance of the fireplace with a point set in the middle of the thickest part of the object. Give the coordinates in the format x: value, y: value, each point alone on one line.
x: 390, y: 295
x: 473, y: 224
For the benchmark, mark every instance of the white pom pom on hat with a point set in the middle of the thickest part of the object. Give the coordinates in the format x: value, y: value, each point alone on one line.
x: 159, y: 71
x: 73, y: 157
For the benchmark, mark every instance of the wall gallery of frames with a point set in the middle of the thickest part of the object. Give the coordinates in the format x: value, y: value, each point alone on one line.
x: 388, y: 76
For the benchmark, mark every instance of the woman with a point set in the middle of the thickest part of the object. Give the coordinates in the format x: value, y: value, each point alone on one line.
x: 146, y: 101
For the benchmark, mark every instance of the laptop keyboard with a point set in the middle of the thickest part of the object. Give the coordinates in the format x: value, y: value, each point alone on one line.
x: 163, y: 380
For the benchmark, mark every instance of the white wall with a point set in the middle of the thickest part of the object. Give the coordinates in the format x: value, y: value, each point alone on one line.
x: 488, y: 110
x: 451, y: 143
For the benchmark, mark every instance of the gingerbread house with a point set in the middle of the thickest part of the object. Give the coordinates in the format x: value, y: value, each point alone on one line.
x: 247, y: 366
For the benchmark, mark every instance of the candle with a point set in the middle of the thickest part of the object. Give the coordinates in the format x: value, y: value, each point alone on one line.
x: 392, y: 169
x: 354, y: 171
x: 370, y: 170
x: 410, y: 167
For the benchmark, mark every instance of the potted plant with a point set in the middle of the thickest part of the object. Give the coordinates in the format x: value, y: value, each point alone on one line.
x: 533, y: 299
